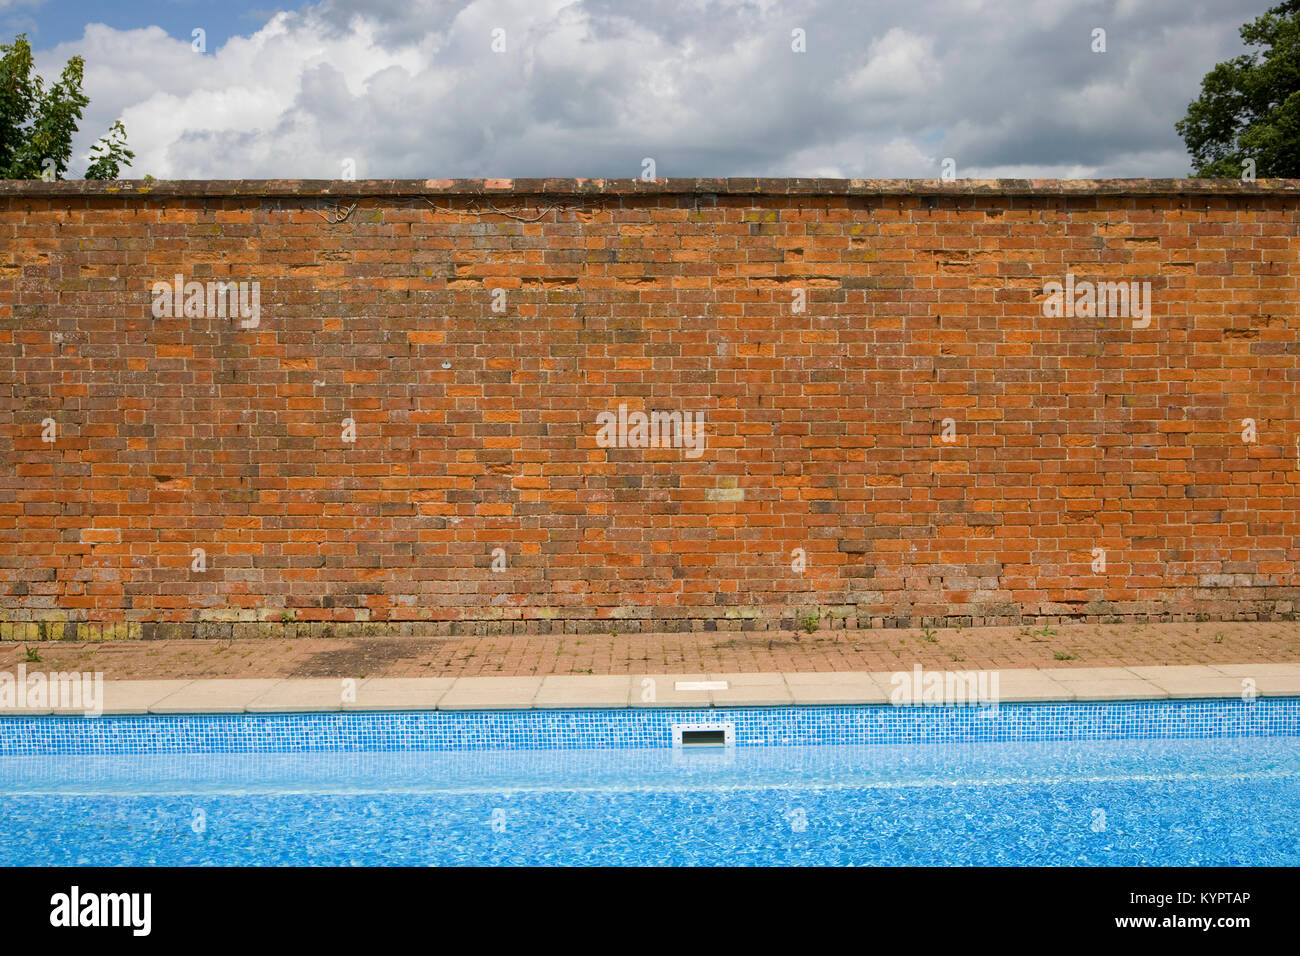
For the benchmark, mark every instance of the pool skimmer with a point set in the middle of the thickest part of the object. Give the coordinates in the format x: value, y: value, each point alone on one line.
x: 704, y: 736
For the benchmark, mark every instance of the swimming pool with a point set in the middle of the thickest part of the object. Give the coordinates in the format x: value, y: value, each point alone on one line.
x: 1170, y: 783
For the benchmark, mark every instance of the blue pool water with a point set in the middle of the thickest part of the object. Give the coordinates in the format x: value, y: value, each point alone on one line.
x: 1229, y: 800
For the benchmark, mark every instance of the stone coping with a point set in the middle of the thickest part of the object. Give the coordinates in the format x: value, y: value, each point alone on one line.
x: 663, y: 691
x: 559, y: 187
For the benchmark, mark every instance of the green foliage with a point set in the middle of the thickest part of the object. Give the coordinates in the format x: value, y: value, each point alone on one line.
x: 1249, y: 107
x: 37, y: 122
x: 1042, y: 633
x: 17, y: 93
x: 109, y: 155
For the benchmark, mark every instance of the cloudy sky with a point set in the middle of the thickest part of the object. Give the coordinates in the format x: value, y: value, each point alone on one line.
x: 415, y: 88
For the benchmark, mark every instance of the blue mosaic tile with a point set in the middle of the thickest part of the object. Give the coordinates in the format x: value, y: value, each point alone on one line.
x: 637, y: 728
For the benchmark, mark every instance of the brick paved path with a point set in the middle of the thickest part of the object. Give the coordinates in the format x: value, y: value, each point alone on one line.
x: 1081, y: 645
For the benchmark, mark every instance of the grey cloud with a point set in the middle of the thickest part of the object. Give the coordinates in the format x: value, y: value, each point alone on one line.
x: 707, y: 88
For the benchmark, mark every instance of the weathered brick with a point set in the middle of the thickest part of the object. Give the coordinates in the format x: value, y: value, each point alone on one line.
x: 882, y: 390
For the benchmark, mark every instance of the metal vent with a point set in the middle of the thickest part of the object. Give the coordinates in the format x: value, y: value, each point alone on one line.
x: 692, y: 736
x: 704, y: 738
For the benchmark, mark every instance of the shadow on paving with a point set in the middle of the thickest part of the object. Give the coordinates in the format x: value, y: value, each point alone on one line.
x: 364, y: 658
x: 761, y: 642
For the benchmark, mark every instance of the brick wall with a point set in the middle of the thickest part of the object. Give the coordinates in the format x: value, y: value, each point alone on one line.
x: 926, y: 441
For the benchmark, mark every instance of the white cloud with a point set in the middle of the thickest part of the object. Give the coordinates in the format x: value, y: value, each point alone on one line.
x: 898, y: 64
